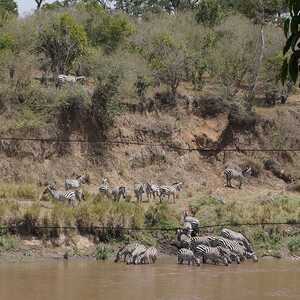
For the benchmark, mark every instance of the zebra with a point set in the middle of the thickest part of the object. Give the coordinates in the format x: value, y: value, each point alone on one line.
x: 152, y: 190
x: 70, y: 196
x: 104, y: 187
x: 235, y: 247
x: 139, y: 191
x: 200, y: 240
x: 76, y: 183
x: 166, y: 190
x: 184, y: 241
x: 188, y: 256
x: 231, y: 173
x: 136, y: 253
x: 229, y: 255
x: 148, y: 257
x: 118, y: 192
x: 212, y: 253
x: 126, y: 251
x: 193, y: 221
x: 236, y: 236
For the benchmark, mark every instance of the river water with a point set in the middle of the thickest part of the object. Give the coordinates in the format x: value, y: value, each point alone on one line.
x: 90, y: 280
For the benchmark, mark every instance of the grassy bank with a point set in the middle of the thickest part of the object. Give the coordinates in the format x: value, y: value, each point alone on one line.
x: 45, y: 221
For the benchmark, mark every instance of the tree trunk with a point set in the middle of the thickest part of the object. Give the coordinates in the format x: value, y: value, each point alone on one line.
x: 258, y: 62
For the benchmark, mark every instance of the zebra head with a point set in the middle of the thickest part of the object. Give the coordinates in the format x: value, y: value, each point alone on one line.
x: 251, y: 255
x: 247, y: 171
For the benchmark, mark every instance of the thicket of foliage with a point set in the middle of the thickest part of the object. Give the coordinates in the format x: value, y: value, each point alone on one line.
x: 130, y: 52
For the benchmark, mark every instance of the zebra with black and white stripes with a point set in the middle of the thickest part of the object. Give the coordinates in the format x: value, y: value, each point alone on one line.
x: 65, y: 196
x: 187, y: 255
x: 118, y: 193
x: 148, y: 257
x: 104, y: 187
x: 139, y: 190
x: 76, y: 183
x: 152, y: 190
x: 126, y: 251
x: 200, y: 240
x: 133, y: 258
x: 237, y: 248
x: 239, y: 175
x: 211, y: 253
x: 237, y: 236
x: 170, y: 190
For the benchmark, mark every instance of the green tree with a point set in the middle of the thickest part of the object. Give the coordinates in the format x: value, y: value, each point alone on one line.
x: 104, y: 29
x: 209, y: 13
x: 62, y: 42
x: 9, y: 6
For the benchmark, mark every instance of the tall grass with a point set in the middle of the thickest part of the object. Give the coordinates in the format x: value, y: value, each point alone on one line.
x: 18, y: 191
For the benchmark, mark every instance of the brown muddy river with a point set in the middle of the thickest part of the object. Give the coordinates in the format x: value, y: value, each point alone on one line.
x: 90, y: 280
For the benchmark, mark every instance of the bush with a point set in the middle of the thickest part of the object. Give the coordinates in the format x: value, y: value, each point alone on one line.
x: 8, y: 243
x: 103, y: 252
x: 294, y: 244
x: 210, y: 106
x: 242, y: 119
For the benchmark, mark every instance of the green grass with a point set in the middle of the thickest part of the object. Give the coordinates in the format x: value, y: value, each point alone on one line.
x: 8, y: 243
x: 103, y: 252
x: 294, y: 244
x: 18, y: 191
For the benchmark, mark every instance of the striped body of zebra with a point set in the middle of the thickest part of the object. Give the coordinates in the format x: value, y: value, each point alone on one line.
x: 104, y: 187
x: 76, y: 183
x: 187, y: 255
x: 126, y: 251
x: 200, y: 240
x: 193, y: 221
x: 148, y: 257
x: 152, y: 190
x: 231, y: 173
x: 229, y: 255
x: 211, y: 253
x: 237, y: 236
x: 119, y: 192
x: 170, y: 190
x: 71, y: 197
x: 235, y: 247
x: 134, y: 258
x: 184, y: 241
x: 139, y: 190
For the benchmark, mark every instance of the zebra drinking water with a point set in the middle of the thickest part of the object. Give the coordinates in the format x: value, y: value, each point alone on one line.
x: 126, y: 251
x: 76, y: 183
x: 236, y: 236
x: 187, y: 255
x: 136, y: 253
x: 149, y: 257
x: 211, y: 253
x: 170, y: 190
x: 231, y: 173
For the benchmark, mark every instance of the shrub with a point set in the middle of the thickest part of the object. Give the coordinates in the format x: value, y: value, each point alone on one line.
x: 103, y: 252
x: 8, y: 243
x: 294, y: 244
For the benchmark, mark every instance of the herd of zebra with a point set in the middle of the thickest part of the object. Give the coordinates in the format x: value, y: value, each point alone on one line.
x: 73, y: 194
x: 228, y: 247
x: 151, y: 190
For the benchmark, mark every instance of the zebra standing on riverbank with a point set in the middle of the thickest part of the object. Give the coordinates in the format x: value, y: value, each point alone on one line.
x: 239, y: 175
x: 139, y: 190
x: 152, y: 190
x: 76, y: 183
x: 70, y: 196
x: 187, y: 255
x: 170, y: 190
x: 104, y: 187
x: 118, y: 192
x: 211, y: 253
